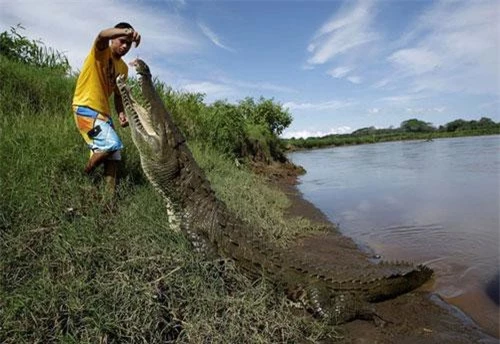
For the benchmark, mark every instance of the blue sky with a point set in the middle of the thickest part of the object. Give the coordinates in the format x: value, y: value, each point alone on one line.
x: 336, y: 65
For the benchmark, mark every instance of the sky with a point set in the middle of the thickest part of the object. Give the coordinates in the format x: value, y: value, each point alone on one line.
x: 337, y: 66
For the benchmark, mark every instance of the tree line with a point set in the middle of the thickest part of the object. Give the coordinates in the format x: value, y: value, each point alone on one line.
x: 411, y: 129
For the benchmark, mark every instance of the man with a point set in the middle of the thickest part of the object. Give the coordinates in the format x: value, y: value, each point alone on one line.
x: 96, y: 83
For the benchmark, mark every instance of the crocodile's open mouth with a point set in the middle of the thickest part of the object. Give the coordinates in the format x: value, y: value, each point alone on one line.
x: 139, y: 116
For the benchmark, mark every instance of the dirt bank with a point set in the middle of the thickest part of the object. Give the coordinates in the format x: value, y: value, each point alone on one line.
x: 416, y: 317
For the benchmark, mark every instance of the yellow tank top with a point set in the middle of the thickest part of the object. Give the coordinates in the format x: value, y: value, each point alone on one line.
x: 97, y: 80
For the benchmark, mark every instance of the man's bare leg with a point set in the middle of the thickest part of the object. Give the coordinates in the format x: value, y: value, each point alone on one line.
x: 95, y: 160
x: 110, y: 175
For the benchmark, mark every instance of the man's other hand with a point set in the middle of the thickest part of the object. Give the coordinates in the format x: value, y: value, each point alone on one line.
x: 123, y: 120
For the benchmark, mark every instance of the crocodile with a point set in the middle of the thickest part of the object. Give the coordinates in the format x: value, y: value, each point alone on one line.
x: 339, y: 290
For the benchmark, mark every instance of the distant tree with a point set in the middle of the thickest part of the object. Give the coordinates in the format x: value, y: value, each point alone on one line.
x: 461, y: 125
x: 486, y: 122
x: 458, y: 124
x: 416, y: 126
x: 365, y: 131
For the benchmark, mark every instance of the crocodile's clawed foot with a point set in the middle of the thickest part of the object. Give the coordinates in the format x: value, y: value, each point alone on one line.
x: 372, y: 315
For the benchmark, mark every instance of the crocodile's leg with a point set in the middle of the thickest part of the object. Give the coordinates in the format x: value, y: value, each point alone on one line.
x: 334, y: 306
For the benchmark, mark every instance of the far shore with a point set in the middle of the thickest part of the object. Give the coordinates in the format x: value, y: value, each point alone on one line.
x: 331, y: 141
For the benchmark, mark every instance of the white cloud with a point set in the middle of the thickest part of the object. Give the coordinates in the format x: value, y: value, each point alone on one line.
x: 329, y: 105
x: 373, y: 110
x: 316, y: 133
x: 425, y: 110
x: 339, y: 72
x: 213, y: 37
x: 343, y: 72
x: 416, y: 61
x: 354, y: 79
x: 402, y: 99
x: 454, y: 48
x: 382, y: 83
x: 349, y: 28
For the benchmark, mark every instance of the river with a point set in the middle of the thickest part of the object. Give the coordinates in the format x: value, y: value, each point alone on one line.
x: 435, y: 202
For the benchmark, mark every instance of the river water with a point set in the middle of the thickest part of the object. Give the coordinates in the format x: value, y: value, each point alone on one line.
x: 435, y: 202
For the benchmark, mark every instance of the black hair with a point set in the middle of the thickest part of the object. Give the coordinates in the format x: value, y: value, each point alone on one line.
x: 123, y: 25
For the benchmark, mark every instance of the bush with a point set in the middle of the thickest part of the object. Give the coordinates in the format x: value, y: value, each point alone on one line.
x: 223, y: 127
x: 266, y: 112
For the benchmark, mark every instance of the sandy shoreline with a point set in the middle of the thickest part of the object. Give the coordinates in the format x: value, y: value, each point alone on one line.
x: 416, y: 317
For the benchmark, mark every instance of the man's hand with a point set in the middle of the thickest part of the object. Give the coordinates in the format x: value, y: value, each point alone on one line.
x: 134, y: 36
x: 123, y: 120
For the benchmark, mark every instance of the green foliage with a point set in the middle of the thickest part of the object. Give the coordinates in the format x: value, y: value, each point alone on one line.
x: 188, y: 110
x: 223, y: 127
x: 461, y: 125
x: 266, y: 112
x: 259, y: 142
x: 27, y: 91
x: 416, y: 126
x: 455, y: 125
x: 17, y: 47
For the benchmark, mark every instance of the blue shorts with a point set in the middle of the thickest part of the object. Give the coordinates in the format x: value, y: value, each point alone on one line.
x: 98, y: 131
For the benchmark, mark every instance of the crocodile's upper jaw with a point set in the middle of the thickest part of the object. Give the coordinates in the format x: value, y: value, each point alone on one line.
x: 147, y: 124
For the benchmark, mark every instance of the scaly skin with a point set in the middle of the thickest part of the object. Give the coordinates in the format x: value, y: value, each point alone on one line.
x: 340, y: 291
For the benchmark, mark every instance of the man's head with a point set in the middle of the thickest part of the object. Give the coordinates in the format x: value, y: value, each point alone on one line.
x: 121, y: 45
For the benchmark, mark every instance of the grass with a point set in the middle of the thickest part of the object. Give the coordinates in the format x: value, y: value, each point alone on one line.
x: 75, y: 271
x: 250, y: 198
